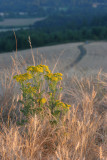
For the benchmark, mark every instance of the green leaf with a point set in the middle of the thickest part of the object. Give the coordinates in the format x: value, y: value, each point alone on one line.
x: 38, y: 109
x: 22, y: 122
x: 21, y: 102
x: 52, y: 122
x: 57, y: 112
x: 25, y: 110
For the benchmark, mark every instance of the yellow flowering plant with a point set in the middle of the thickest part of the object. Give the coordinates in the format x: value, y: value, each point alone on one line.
x: 35, y: 92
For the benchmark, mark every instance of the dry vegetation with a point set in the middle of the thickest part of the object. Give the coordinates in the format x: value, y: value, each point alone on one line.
x: 82, y: 135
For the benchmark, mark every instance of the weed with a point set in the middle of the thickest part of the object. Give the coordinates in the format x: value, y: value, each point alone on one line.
x: 41, y: 90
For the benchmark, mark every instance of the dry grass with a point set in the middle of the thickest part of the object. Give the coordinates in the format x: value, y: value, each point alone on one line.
x: 82, y: 135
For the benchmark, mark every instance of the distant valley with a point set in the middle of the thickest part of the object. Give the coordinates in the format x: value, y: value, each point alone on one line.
x: 50, y: 22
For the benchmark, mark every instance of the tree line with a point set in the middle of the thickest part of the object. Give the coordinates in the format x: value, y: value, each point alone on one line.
x: 40, y: 38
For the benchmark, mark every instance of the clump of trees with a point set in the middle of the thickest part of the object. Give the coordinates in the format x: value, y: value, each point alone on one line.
x: 38, y: 38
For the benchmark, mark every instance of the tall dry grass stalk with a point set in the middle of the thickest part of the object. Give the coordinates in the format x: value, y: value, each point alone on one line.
x: 82, y: 135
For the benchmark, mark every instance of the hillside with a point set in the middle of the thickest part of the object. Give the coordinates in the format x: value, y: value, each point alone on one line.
x: 75, y: 128
x: 74, y: 58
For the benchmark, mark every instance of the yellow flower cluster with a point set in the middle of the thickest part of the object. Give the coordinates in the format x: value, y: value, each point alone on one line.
x: 30, y: 89
x: 39, y: 68
x: 46, y: 68
x: 54, y: 76
x: 59, y: 103
x: 42, y: 100
x: 23, y: 77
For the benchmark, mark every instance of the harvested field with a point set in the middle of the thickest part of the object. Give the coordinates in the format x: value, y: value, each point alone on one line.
x: 19, y: 22
x: 94, y: 59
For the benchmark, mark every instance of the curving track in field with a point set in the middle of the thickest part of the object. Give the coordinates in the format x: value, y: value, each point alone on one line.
x: 83, y: 52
